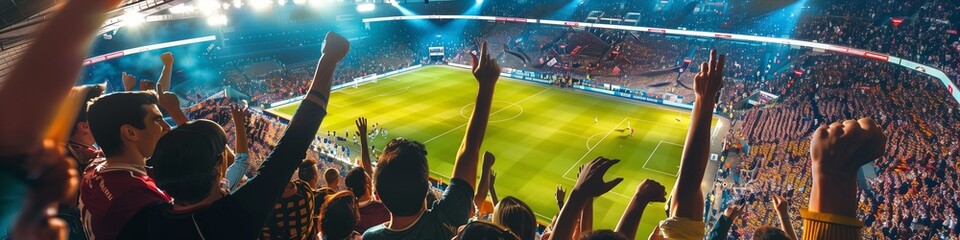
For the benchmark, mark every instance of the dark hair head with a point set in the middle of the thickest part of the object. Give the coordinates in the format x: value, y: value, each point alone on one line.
x: 769, y: 233
x: 339, y: 215
x: 485, y: 230
x: 356, y: 182
x: 401, y: 178
x: 186, y: 159
x: 308, y: 171
x: 331, y: 176
x: 516, y: 215
x: 107, y: 113
x: 89, y: 93
x: 604, y: 234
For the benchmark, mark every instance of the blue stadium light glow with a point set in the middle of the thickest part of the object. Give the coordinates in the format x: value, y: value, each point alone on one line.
x: 566, y: 11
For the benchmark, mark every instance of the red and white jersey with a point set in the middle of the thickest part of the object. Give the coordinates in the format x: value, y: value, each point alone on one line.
x: 111, y: 195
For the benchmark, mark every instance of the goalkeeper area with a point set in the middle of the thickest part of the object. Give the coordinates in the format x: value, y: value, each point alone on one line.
x: 540, y: 134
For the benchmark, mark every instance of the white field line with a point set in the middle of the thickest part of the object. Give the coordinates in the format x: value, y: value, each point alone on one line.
x: 491, y: 114
x: 575, y: 165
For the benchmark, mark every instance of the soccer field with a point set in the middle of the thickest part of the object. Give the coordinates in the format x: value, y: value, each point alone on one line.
x: 540, y: 134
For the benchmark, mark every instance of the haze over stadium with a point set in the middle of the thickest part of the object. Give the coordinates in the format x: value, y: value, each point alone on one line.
x: 479, y: 119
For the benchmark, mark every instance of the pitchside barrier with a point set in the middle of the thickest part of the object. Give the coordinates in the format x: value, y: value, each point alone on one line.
x: 631, y: 96
x: 356, y: 82
x: 928, y: 70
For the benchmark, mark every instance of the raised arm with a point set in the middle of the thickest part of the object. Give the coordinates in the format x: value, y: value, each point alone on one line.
x: 686, y: 201
x: 721, y: 228
x: 364, y: 146
x: 171, y: 103
x: 484, y: 186
x: 33, y: 91
x: 44, y: 74
x: 239, y: 167
x: 167, y: 72
x: 260, y: 193
x: 486, y: 71
x: 586, y: 218
x: 782, y: 206
x: 589, y: 184
x: 648, y: 191
x: 129, y: 81
x: 836, y: 153
x: 493, y: 188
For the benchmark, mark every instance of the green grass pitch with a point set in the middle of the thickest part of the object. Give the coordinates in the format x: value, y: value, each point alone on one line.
x: 540, y: 134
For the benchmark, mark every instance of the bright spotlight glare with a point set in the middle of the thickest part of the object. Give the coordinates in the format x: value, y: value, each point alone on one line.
x: 299, y: 2
x: 217, y: 20
x: 133, y: 18
x: 237, y: 3
x: 281, y: 2
x: 207, y: 6
x: 479, y: 1
x: 182, y: 9
x: 395, y: 4
x: 260, y: 4
x: 366, y: 7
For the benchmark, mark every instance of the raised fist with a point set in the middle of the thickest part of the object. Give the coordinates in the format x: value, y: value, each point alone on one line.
x: 167, y: 58
x: 651, y: 191
x: 841, y: 148
x: 335, y: 46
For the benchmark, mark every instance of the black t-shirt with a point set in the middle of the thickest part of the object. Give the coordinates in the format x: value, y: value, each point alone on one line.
x: 439, y: 222
x: 242, y: 214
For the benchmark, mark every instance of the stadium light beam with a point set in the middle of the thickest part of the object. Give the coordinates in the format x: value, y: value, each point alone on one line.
x: 366, y: 7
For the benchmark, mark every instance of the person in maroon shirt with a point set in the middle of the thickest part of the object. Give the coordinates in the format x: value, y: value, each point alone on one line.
x: 372, y: 212
x: 126, y: 126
